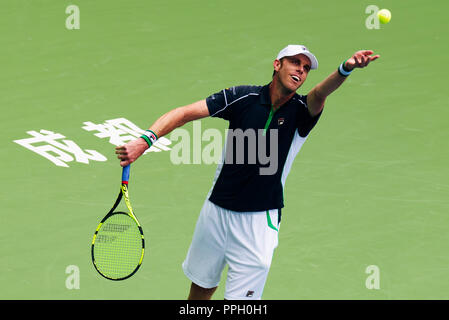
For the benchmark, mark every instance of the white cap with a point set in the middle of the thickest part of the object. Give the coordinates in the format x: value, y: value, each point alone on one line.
x: 294, y: 49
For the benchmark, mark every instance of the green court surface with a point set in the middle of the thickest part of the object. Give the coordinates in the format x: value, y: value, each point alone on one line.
x: 370, y: 186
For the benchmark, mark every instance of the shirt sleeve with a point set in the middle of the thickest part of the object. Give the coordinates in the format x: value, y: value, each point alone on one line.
x: 221, y: 104
x: 305, y: 121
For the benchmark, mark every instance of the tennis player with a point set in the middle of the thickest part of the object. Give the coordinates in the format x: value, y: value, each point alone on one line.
x: 239, y: 222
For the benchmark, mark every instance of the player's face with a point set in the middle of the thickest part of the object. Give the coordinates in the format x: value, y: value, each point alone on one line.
x: 293, y: 71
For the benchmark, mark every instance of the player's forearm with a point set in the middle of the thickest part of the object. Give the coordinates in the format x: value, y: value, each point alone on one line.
x: 317, y: 96
x: 168, y: 122
x: 359, y: 60
x: 321, y: 91
x: 328, y: 85
x: 178, y: 117
x: 131, y: 151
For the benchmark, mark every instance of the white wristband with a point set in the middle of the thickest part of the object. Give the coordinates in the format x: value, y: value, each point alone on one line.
x: 149, y: 136
x: 342, y: 71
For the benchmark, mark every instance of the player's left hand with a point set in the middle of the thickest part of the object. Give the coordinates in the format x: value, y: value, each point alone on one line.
x: 360, y: 59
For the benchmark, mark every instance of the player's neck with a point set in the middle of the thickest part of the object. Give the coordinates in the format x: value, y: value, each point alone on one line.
x: 278, y: 94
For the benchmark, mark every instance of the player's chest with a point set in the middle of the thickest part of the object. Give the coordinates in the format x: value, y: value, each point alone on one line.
x: 261, y: 117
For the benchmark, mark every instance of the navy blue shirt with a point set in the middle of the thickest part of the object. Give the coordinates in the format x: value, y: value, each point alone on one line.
x: 241, y: 186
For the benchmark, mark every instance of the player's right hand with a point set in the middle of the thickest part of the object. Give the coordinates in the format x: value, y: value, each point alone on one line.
x: 129, y: 152
x: 360, y: 59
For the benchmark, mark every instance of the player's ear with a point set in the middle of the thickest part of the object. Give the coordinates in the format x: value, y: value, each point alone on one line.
x: 277, y: 65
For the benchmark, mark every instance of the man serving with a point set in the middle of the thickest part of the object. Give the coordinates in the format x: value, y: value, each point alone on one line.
x: 239, y: 222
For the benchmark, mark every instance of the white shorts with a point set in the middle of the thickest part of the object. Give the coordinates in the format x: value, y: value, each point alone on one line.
x: 243, y: 240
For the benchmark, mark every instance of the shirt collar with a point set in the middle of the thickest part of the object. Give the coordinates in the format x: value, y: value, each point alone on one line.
x: 265, y: 95
x: 265, y: 98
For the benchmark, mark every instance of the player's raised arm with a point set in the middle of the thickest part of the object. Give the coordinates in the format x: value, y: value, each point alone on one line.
x: 171, y: 120
x: 317, y: 96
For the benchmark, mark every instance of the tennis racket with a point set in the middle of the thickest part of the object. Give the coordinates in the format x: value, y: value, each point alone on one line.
x: 118, y: 245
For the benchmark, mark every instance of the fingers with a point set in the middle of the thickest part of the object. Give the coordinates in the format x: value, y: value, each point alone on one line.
x: 364, y: 61
x: 129, y: 152
x: 363, y: 58
x: 125, y: 155
x: 121, y: 151
x: 124, y: 163
x: 366, y: 52
x: 122, y: 155
x: 124, y: 159
x: 360, y: 60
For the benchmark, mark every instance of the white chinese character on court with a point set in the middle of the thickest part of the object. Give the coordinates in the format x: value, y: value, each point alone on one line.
x: 121, y: 130
x: 58, y: 152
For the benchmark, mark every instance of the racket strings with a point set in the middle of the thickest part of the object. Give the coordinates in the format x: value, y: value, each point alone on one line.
x: 118, y: 246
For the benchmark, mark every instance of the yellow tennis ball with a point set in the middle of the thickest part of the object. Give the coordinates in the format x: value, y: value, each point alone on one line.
x: 384, y: 16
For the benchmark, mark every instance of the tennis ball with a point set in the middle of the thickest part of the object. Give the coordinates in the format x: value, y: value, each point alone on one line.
x: 384, y: 16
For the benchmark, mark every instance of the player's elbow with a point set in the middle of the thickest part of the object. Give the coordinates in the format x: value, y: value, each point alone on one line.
x: 319, y: 95
x: 315, y: 102
x: 181, y: 116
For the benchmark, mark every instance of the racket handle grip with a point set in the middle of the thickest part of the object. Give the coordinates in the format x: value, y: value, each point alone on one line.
x: 125, y: 174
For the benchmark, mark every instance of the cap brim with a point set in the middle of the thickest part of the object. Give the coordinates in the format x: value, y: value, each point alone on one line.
x: 313, y: 59
x: 308, y: 54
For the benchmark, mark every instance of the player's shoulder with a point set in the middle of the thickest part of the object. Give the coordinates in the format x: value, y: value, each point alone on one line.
x: 300, y: 100
x: 244, y: 90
